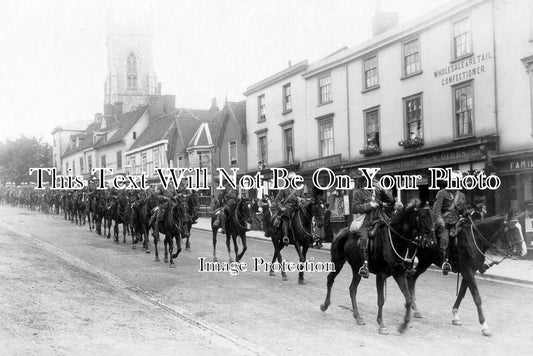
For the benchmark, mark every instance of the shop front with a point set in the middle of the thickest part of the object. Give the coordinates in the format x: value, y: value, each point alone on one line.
x: 338, y: 200
x: 516, y: 192
x: 470, y: 157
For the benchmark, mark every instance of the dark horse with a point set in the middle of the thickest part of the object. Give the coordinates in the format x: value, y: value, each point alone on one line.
x: 391, y: 250
x: 300, y: 232
x: 236, y: 225
x: 171, y: 228
x: 139, y: 223
x: 467, y: 255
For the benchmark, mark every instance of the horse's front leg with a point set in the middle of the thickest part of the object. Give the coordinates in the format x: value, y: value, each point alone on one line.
x: 339, y: 263
x: 156, y: 240
x: 401, y: 280
x: 228, y: 245
x: 455, y: 311
x: 215, y: 259
x: 178, y: 250
x: 235, y: 246
x: 380, y: 284
x: 302, y: 252
x: 411, y: 284
x: 115, y: 232
x: 472, y: 285
x: 356, y: 278
x: 168, y: 244
x: 244, y: 247
x: 187, y: 242
x: 125, y: 232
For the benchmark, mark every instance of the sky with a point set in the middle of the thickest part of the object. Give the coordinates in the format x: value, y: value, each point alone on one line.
x: 53, y: 53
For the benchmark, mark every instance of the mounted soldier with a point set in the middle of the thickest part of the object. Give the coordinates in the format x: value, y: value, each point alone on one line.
x: 449, y: 206
x: 164, y: 198
x: 227, y: 199
x: 286, y: 201
x: 366, y: 206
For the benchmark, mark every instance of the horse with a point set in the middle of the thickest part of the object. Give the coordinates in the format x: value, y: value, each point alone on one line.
x: 171, y: 228
x: 300, y: 232
x: 237, y: 224
x: 118, y: 211
x: 467, y: 255
x: 388, y: 255
x: 138, y: 224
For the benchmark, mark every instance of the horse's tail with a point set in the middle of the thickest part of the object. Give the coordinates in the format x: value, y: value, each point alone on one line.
x: 337, y: 246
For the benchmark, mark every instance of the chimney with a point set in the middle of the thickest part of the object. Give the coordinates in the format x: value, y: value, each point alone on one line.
x: 98, y: 118
x: 290, y: 64
x: 158, y: 88
x: 161, y: 104
x: 214, y: 106
x: 118, y: 109
x: 169, y: 103
x: 109, y: 115
x: 383, y: 21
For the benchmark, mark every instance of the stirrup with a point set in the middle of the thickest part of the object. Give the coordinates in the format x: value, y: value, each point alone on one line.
x: 363, y: 271
x: 286, y: 240
x: 446, y: 267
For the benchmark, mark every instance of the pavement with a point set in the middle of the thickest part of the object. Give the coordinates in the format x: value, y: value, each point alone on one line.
x: 514, y: 271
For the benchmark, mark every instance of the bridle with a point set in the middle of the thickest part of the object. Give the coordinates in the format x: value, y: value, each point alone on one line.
x: 506, y: 254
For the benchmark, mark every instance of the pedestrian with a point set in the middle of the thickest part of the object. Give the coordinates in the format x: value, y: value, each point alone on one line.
x: 328, y: 231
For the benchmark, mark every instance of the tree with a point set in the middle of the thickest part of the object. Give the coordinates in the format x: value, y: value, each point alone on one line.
x: 17, y: 157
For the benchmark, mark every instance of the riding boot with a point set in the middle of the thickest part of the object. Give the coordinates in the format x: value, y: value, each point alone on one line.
x: 286, y: 233
x: 446, y: 267
x: 363, y: 271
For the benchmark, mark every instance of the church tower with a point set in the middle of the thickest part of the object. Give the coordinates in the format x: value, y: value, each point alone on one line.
x: 130, y: 75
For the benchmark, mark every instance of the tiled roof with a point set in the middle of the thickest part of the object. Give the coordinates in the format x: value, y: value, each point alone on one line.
x: 158, y: 129
x: 125, y: 123
x: 235, y: 111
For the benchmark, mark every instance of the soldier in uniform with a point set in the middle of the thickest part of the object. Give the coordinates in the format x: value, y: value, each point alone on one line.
x: 227, y: 199
x: 287, y: 201
x: 449, y: 205
x: 164, y: 197
x: 369, y: 201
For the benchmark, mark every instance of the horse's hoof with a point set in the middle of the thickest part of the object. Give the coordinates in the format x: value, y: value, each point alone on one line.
x: 165, y: 259
x: 133, y: 247
x: 360, y: 321
x: 402, y: 328
x: 383, y: 330
x: 323, y: 307
x: 301, y: 281
x: 187, y: 249
x: 172, y: 265
x: 271, y: 273
x: 117, y: 242
x: 486, y: 332
x: 456, y: 322
x: 215, y: 259
x: 156, y: 258
x: 284, y: 278
x: 147, y: 251
x: 417, y: 314
x: 231, y: 260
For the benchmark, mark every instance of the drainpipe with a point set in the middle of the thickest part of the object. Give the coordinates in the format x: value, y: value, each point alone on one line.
x: 348, y: 111
x: 495, y: 71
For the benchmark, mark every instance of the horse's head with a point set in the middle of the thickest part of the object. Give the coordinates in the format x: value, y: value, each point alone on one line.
x: 417, y: 222
x: 513, y: 235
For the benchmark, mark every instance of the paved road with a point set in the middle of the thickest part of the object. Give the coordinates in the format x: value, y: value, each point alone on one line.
x: 65, y: 290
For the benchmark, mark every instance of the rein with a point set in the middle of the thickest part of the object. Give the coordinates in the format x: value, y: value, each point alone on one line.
x: 507, y: 254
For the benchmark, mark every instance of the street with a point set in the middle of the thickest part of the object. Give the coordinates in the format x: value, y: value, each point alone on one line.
x: 66, y: 290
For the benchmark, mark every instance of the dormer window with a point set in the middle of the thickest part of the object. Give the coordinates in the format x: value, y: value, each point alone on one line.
x: 134, y: 135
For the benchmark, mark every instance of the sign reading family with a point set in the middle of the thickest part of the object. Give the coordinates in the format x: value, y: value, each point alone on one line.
x: 322, y: 178
x: 463, y: 69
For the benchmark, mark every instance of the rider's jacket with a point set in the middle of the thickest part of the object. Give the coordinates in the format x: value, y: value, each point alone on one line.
x: 361, y: 202
x: 448, y: 207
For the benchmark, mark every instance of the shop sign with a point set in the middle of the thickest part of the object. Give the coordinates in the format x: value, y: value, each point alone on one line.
x: 516, y: 165
x: 433, y: 160
x: 321, y: 162
x: 463, y: 70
